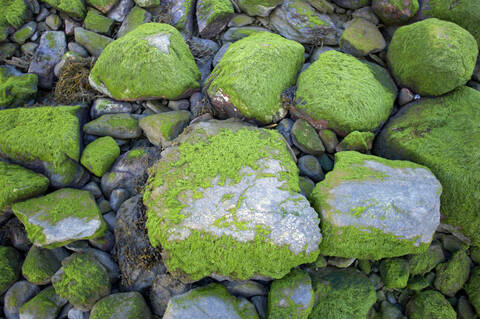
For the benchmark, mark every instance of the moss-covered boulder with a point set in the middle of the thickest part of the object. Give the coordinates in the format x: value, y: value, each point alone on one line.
x: 181, y: 15
x: 394, y: 272
x: 94, y: 43
x: 341, y: 294
x: 151, y: 62
x: 373, y: 208
x: 395, y: 12
x: 420, y: 264
x: 368, y: 104
x: 10, y: 262
x: 433, y: 132
x: 121, y: 125
x: 61, y: 217
x: 453, y: 274
x: 356, y: 141
x: 96, y: 22
x: 99, y: 155
x: 432, y: 57
x: 473, y: 289
x: 41, y: 264
x: 291, y: 296
x: 13, y: 13
x: 237, y: 211
x: 361, y: 38
x: 306, y: 138
x: 16, y: 88
x: 45, y: 305
x: 258, y: 7
x: 103, y: 5
x: 128, y: 305
x: 136, y: 17
x: 430, y: 304
x: 246, y: 83
x: 164, y: 127
x: 16, y: 296
x: 44, y: 139
x: 213, y: 16
x: 73, y: 8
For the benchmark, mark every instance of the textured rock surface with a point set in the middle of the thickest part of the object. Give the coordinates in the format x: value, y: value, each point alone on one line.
x: 16, y: 88
x: 361, y: 38
x: 182, y: 12
x: 453, y: 274
x: 258, y: 8
x: 213, y: 16
x: 122, y: 125
x: 430, y: 304
x: 10, y: 261
x: 164, y: 127
x: 393, y: 12
x: 41, y: 264
x: 93, y: 42
x: 129, y: 305
x: 47, y: 304
x: 99, y: 155
x: 21, y: 292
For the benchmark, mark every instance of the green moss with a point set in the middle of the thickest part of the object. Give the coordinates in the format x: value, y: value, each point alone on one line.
x: 187, y: 10
x: 23, y: 34
x: 97, y: 22
x: 99, y: 155
x: 9, y: 267
x: 452, y: 275
x: 16, y: 90
x: 395, y: 12
x: 135, y: 153
x: 361, y: 38
x: 307, y: 13
x: 430, y: 304
x: 135, y: 18
x: 13, y: 13
x: 256, y: 7
x: 40, y: 265
x: 357, y: 141
x: 475, y: 254
x: 164, y: 127
x: 128, y: 305
x: 472, y: 288
x: 394, y: 272
x: 306, y: 138
x: 44, y: 305
x: 214, y: 10
x: 93, y: 42
x: 432, y: 57
x: 73, y: 8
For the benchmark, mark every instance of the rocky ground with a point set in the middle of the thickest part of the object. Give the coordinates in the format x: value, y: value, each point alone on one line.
x: 239, y: 159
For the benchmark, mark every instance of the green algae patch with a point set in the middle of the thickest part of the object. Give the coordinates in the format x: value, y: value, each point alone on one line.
x: 246, y: 83
x: 96, y: 22
x: 421, y: 264
x: 356, y: 141
x: 73, y: 8
x: 46, y: 304
x: 430, y: 304
x: 150, y: 62
x: 164, y: 127
x: 432, y: 57
x: 128, y: 305
x: 453, y: 274
x: 16, y: 90
x: 258, y: 7
x: 394, y: 272
x: 99, y: 155
x: 10, y: 261
x: 13, y: 13
x: 40, y: 265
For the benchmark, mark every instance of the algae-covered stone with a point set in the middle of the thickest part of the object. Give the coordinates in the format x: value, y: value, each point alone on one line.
x: 342, y: 294
x: 46, y: 305
x: 44, y: 139
x: 16, y: 88
x: 93, y: 42
x: 361, y: 38
x: 16, y: 296
x: 61, y: 217
x: 356, y: 141
x: 291, y: 296
x: 73, y: 8
x: 368, y: 104
x: 103, y: 5
x: 164, y: 127
x: 96, y: 22
x: 306, y: 138
x: 136, y: 17
x: 13, y: 13
x: 237, y: 211
x: 99, y: 155
x: 41, y: 264
x: 18, y: 183
x: 453, y: 274
x: 82, y: 280
x: 10, y: 261
x: 394, y: 272
x: 128, y: 305
x: 432, y: 132
x: 373, y: 208
x: 24, y: 33
x: 212, y: 301
x: 420, y: 264
x: 395, y: 12
x: 162, y: 62
x: 181, y: 13
x: 472, y: 289
x: 246, y: 83
x: 430, y: 304
x: 260, y: 8
x: 432, y: 57
x: 121, y: 125
x: 213, y: 16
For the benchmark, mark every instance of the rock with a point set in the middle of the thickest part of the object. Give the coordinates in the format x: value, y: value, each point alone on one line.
x: 367, y: 14
x: 305, y: 137
x: 389, y: 311
x: 352, y: 4
x: 10, y: 262
x: 261, y: 305
x: 24, y: 33
x: 258, y: 8
x: 240, y: 20
x: 60, y: 218
x: 107, y: 262
x: 219, y: 212
x: 284, y: 127
x: 356, y: 141
x: 171, y: 72
x: 430, y: 132
x: 322, y: 6
x: 96, y: 22
x: 99, y: 155
x: 291, y: 296
x: 104, y: 243
x: 164, y: 127
x: 247, y: 289
x: 341, y: 294
x: 465, y: 309
x: 213, y: 16
x: 340, y: 262
x: 121, y: 125
x: 212, y: 301
x: 453, y: 274
x: 73, y: 8
x: 103, y: 5
x: 369, y: 103
x: 93, y: 42
x: 16, y: 88
x: 405, y: 96
x: 420, y: 264
x: 120, y: 11
x: 41, y: 264
x: 329, y: 139
x: 46, y: 305
x: 53, y: 21
x: 165, y: 287
x: 136, y: 17
x: 472, y: 289
x: 236, y: 33
x: 394, y: 272
x: 17, y: 296
x: 393, y: 12
x: 310, y: 167
x: 104, y: 106
x: 77, y: 49
x: 50, y: 51
x: 82, y: 280
x: 237, y: 87
x: 297, y: 20
x: 148, y: 3
x: 76, y: 314
x: 416, y: 49
x: 117, y: 197
x: 181, y: 13
x: 121, y: 305
x: 306, y: 186
x: 362, y: 38
x: 373, y: 208
x: 430, y: 304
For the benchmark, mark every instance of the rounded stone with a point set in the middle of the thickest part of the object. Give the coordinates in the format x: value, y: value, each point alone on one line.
x: 310, y: 167
x: 394, y: 12
x: 430, y: 304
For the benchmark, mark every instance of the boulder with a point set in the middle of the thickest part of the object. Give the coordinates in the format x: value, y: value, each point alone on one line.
x: 129, y: 305
x: 361, y: 38
x: 393, y: 12
x: 100, y: 154
x: 20, y: 292
x: 41, y: 264
x: 213, y: 16
x: 164, y: 127
x: 16, y: 88
x: 453, y: 274
x: 430, y: 304
x: 260, y: 8
x: 45, y: 305
x: 73, y: 8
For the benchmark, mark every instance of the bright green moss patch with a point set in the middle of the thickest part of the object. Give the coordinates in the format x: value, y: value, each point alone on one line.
x: 304, y: 10
x: 394, y: 272
x: 99, y: 155
x: 430, y: 304
x: 395, y: 12
x: 40, y: 265
x: 357, y: 141
x: 45, y: 304
x: 16, y: 90
x: 73, y: 8
x: 10, y: 261
x: 128, y: 305
x: 136, y: 153
x: 96, y: 22
x: 135, y: 18
x: 422, y: 263
x: 214, y: 10
x: 103, y: 5
x: 452, y: 275
x: 13, y: 12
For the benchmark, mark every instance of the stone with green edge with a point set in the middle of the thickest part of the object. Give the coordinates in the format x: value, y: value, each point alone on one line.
x: 13, y: 13
x: 306, y: 138
x: 395, y: 12
x: 148, y: 3
x: 41, y: 264
x: 213, y: 16
x: 16, y: 88
x: 127, y: 305
x: 212, y: 301
x: 453, y: 274
x: 45, y: 305
x: 322, y: 6
x: 18, y: 183
x: 82, y: 280
x: 432, y: 57
x: 291, y: 296
x: 432, y: 132
x: 120, y: 125
x: 94, y: 43
x: 24, y: 33
x: 430, y: 304
x: 182, y: 12
x: 237, y: 211
x: 136, y: 17
x: 394, y: 272
x: 246, y: 83
x: 16, y: 296
x: 373, y: 208
x: 103, y: 5
x: 472, y: 288
x: 100, y: 154
x: 368, y: 104
x: 45, y: 139
x: 361, y: 38
x: 96, y: 22
x: 420, y: 264
x: 352, y: 4
x: 356, y: 141
x: 10, y: 262
x: 73, y: 8
x: 341, y: 294
x: 61, y: 217
x: 258, y: 7
x: 237, y: 33
x: 164, y: 66
x: 164, y: 127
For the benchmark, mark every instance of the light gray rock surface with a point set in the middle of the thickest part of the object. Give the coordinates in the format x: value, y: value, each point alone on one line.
x: 16, y: 296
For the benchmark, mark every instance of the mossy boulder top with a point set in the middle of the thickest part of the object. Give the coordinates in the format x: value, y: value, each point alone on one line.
x: 368, y: 102
x: 61, y: 217
x: 247, y: 82
x: 130, y: 305
x: 373, y: 208
x: 16, y: 88
x: 224, y: 199
x: 443, y: 134
x: 432, y: 57
x: 151, y: 62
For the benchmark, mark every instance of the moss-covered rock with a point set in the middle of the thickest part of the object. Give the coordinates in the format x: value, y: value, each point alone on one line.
x: 16, y: 89
x: 432, y: 57
x: 213, y: 16
x: 432, y: 132
x: 258, y: 7
x: 61, y: 217
x: 368, y: 104
x: 94, y: 43
x: 41, y: 264
x: 361, y: 37
x: 373, y: 208
x: 136, y: 17
x: 430, y: 304
x: 246, y: 83
x: 395, y: 12
x: 420, y: 264
x: 121, y: 125
x: 152, y: 61
x: 103, y: 5
x: 236, y: 211
x: 473, y: 289
x: 24, y: 33
x: 291, y: 296
x: 164, y: 127
x: 96, y: 22
x: 453, y: 274
x: 16, y: 296
x: 13, y: 13
x: 352, y: 4
x: 74, y: 8
x: 306, y: 138
x: 127, y: 305
x: 10, y: 262
x: 342, y: 294
x: 99, y: 155
x: 45, y: 305
x: 182, y: 12
x: 356, y: 141
x: 394, y: 272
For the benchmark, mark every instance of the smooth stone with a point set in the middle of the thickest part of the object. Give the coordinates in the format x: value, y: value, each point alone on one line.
x: 45, y: 305
x: 165, y: 287
x: 306, y: 138
x: 117, y: 197
x: 93, y: 42
x: 120, y: 125
x: 18, y: 294
x: 245, y: 289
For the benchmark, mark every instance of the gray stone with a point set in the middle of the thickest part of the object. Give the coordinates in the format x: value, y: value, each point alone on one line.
x: 77, y: 314
x: 117, y: 197
x: 111, y: 220
x: 70, y: 26
x: 105, y: 242
x: 305, y: 137
x: 181, y: 13
x: 405, y: 96
x: 352, y: 4
x: 340, y: 262
x: 285, y: 128
x: 213, y: 16
x: 53, y: 21
x: 78, y: 49
x: 16, y: 296
x: 125, y: 305
x: 93, y: 188
x: 367, y: 14
x: 107, y: 262
x: 219, y: 55
x: 45, y: 305
x: 104, y: 106
x: 120, y: 11
x: 464, y: 309
x: 261, y: 305
x: 326, y: 162
x: 93, y: 42
x: 163, y: 288
x: 258, y: 8
x: 240, y: 20
x: 310, y: 167
x: 121, y: 125
x: 389, y: 311
x: 237, y: 33
x: 203, y: 51
x: 179, y: 105
x: 161, y: 128
x: 361, y: 38
x: 246, y: 288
